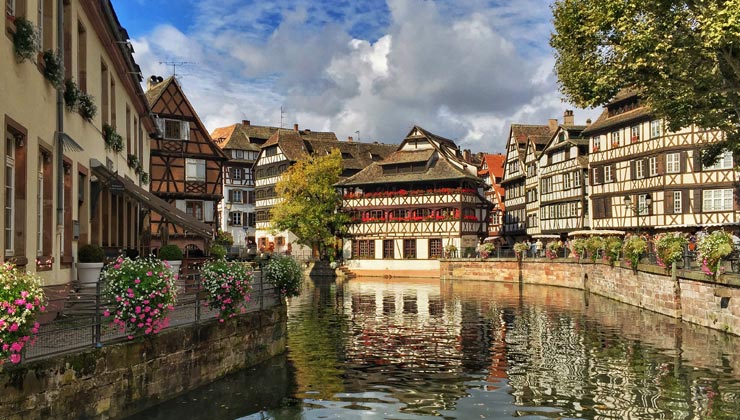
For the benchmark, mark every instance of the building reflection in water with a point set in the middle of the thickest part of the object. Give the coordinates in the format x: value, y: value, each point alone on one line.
x: 431, y: 345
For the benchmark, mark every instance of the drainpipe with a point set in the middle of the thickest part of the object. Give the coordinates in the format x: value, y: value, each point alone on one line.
x: 60, y: 121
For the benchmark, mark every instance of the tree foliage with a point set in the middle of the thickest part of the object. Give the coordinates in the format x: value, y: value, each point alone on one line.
x: 310, y: 201
x: 683, y: 57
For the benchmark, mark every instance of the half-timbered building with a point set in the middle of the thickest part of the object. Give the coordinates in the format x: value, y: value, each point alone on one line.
x: 284, y: 148
x: 421, y: 200
x: 522, y: 139
x: 186, y: 165
x: 644, y: 177
x: 492, y: 173
x: 563, y: 169
x: 242, y: 144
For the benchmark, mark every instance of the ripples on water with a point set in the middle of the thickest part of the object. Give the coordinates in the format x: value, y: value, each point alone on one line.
x: 413, y: 349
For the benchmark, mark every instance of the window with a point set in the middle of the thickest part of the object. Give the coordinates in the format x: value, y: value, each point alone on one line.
x: 40, y: 206
x: 236, y: 173
x: 235, y: 217
x: 677, y: 202
x: 595, y: 176
x: 635, y: 133
x: 673, y: 163
x: 388, y: 249
x: 597, y: 143
x: 250, y: 197
x: 717, y: 200
x: 653, y: 165
x: 639, y: 169
x: 567, y: 181
x: 409, y: 248
x: 363, y: 248
x: 724, y: 161
x: 558, y: 156
x: 642, y: 205
x: 195, y: 170
x: 271, y: 151
x: 236, y: 196
x: 175, y: 129
x: 615, y: 139
x: 248, y: 176
x: 9, y: 194
x: 237, y: 154
x: 81, y: 57
x: 577, y: 178
x: 251, y: 220
x: 195, y: 209
x: 10, y: 7
x: 655, y: 129
x: 435, y: 248
x: 608, y: 174
x: 45, y: 24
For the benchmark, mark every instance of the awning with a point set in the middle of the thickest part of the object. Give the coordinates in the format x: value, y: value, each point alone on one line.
x: 596, y: 232
x: 69, y: 144
x: 151, y: 201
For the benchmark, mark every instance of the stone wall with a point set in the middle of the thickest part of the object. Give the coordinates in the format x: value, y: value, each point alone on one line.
x: 119, y: 380
x: 690, y: 295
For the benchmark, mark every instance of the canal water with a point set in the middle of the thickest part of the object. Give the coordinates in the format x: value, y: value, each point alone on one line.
x: 425, y: 348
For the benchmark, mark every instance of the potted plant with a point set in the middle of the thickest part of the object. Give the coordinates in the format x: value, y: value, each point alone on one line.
x: 634, y: 248
x: 53, y: 68
x: 86, y: 106
x: 71, y: 94
x: 228, y: 285
x: 172, y: 255
x: 521, y: 249
x: 711, y: 249
x: 21, y: 300
x: 450, y: 251
x: 90, y: 259
x: 25, y: 39
x: 552, y: 248
x: 669, y: 248
x: 141, y: 293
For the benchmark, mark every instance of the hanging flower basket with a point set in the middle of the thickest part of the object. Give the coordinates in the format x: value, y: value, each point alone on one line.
x: 25, y: 39
x: 228, y: 285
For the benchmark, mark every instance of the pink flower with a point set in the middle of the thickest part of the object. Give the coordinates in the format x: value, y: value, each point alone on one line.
x: 106, y: 313
x: 13, y: 327
x: 149, y: 273
x: 15, y: 358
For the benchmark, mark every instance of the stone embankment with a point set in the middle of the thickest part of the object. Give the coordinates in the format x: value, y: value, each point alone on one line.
x: 688, y: 295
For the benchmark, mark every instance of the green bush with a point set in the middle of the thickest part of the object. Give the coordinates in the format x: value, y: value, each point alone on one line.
x: 285, y: 274
x: 634, y: 247
x: 90, y: 253
x: 217, y: 251
x: 53, y: 68
x: 25, y: 39
x: 71, y: 94
x: 86, y: 106
x: 170, y: 252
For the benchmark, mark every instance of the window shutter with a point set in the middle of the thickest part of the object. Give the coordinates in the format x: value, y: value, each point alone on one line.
x: 244, y: 198
x: 668, y: 202
x: 607, y: 202
x: 697, y: 161
x: 661, y: 164
x: 614, y: 172
x: 208, y: 211
x: 685, y: 202
x: 633, y: 169
x: 683, y: 159
x: 697, y: 200
x: 160, y: 124
x: 231, y: 196
x: 185, y: 130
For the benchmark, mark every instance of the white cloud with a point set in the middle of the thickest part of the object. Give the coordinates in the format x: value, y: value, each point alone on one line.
x: 462, y: 69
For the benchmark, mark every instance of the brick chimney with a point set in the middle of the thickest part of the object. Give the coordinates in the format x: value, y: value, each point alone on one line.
x: 466, y: 155
x: 350, y: 139
x: 568, y: 117
x: 246, y: 123
x: 552, y: 123
x: 295, y: 127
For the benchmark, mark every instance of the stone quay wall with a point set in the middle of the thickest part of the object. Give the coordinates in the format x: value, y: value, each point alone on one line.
x: 688, y: 295
x: 122, y: 379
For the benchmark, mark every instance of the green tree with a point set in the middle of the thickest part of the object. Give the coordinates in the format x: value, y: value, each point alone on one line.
x: 683, y: 57
x: 310, y: 203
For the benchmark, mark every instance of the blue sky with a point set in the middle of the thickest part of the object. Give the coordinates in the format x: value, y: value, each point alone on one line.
x: 463, y: 69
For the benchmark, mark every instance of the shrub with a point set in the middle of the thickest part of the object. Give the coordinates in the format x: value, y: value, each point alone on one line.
x: 634, y: 248
x: 285, y: 274
x: 578, y: 247
x: 669, y: 248
x: 90, y: 253
x: 612, y: 249
x: 228, y: 286
x: 71, y: 94
x: 552, y: 248
x: 593, y: 245
x: 170, y: 252
x: 521, y: 248
x: 225, y: 239
x: 21, y: 300
x: 141, y: 292
x: 217, y: 251
x: 113, y: 140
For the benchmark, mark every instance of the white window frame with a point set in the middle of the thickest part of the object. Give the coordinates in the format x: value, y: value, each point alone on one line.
x: 596, y: 142
x: 567, y: 182
x: 235, y: 194
x: 642, y: 206
x: 194, y: 214
x: 577, y: 178
x: 653, y: 165
x: 595, y: 176
x: 615, y: 137
x: 656, y: 129
x: 673, y: 163
x: 608, y: 176
x: 183, y: 129
x: 10, y: 8
x: 639, y: 169
x: 40, y: 207
x: 195, y: 170
x: 237, y: 174
x: 717, y: 200
x: 9, y: 196
x: 677, y: 202
x: 724, y: 162
x: 236, y: 218
x: 635, y: 132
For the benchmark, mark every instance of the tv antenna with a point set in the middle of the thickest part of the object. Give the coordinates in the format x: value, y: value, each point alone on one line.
x: 174, y: 65
x: 282, y: 112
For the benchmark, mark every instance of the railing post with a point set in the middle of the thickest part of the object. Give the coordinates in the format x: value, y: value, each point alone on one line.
x: 98, y: 320
x: 196, y: 283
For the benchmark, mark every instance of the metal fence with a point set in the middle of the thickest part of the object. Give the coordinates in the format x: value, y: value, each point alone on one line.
x: 80, y: 323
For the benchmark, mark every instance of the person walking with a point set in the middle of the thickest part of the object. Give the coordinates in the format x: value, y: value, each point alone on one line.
x: 538, y: 248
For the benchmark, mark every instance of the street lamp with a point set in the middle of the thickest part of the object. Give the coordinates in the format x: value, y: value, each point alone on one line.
x: 228, y: 212
x: 637, y: 208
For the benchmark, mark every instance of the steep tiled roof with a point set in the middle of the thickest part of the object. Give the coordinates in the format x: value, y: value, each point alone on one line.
x: 408, y: 157
x: 604, y: 121
x: 522, y: 132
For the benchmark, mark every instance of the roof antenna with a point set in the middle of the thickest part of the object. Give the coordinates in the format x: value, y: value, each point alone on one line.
x: 281, y: 116
x: 174, y: 65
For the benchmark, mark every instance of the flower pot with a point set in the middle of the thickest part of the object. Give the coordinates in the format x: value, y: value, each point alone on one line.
x: 175, y: 266
x: 89, y: 273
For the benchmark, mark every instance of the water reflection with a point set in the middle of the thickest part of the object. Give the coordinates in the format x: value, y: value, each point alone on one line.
x: 413, y: 349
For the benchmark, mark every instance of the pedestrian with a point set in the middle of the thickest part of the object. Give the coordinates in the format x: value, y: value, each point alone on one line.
x: 532, y: 248
x: 538, y: 247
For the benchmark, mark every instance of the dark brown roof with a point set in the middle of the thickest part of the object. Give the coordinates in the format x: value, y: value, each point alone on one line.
x: 241, y: 137
x: 605, y: 122
x: 408, y: 157
x: 522, y: 132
